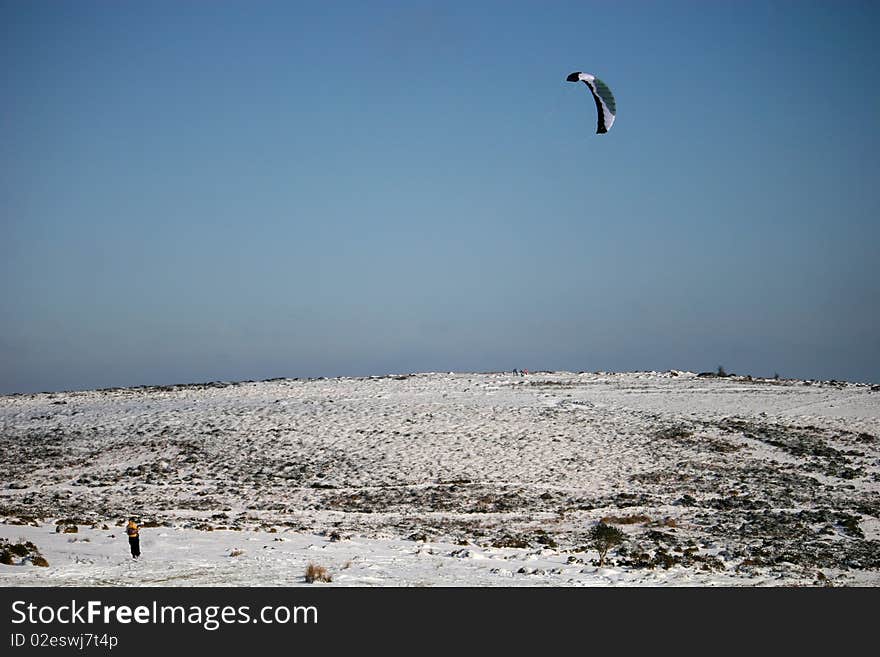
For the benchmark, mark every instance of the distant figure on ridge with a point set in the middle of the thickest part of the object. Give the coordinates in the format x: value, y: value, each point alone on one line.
x: 134, y: 542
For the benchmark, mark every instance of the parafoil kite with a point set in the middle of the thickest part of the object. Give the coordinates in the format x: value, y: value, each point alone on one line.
x: 605, y: 105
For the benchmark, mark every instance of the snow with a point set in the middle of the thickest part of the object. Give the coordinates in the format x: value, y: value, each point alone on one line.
x: 448, y: 479
x: 182, y: 557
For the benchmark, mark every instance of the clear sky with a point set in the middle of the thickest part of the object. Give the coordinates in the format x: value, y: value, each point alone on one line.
x: 194, y: 191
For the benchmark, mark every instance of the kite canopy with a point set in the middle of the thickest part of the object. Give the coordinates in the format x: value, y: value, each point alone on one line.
x: 605, y: 105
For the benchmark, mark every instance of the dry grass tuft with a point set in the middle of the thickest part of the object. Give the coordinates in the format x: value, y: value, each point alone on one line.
x: 625, y: 520
x: 316, y: 573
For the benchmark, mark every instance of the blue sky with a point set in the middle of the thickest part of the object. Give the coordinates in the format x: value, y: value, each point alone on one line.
x: 245, y: 190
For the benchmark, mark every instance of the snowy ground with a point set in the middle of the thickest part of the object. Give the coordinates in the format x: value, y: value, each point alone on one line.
x: 448, y: 479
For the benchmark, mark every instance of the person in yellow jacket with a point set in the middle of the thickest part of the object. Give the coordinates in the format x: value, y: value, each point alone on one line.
x: 134, y: 541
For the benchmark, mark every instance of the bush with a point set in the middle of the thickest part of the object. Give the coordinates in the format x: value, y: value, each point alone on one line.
x: 315, y: 573
x: 19, y: 549
x: 27, y: 551
x: 604, y: 537
x: 508, y: 541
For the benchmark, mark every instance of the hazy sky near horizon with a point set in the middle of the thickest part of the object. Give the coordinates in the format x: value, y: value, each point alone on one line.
x: 246, y: 190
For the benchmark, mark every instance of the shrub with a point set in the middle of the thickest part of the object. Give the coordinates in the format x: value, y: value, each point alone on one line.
x: 315, y: 573
x: 543, y: 538
x: 604, y: 537
x: 19, y: 549
x: 508, y: 541
x: 11, y: 552
x: 73, y: 521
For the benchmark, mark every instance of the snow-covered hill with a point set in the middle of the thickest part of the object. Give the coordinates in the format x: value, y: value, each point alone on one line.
x: 452, y: 479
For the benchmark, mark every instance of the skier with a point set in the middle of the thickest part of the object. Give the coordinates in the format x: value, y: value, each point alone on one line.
x: 134, y: 542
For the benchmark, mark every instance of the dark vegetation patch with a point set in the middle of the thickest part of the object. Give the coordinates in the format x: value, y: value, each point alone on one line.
x: 74, y: 521
x: 626, y: 520
x: 808, y: 443
x: 685, y: 436
x: 818, y: 538
x: 557, y: 385
x: 22, y: 552
x: 22, y: 520
x: 458, y: 498
x: 677, y: 432
x: 751, y: 484
x: 867, y: 504
x: 140, y: 390
x: 509, y: 541
x: 541, y: 537
x: 662, y: 557
x: 663, y: 549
